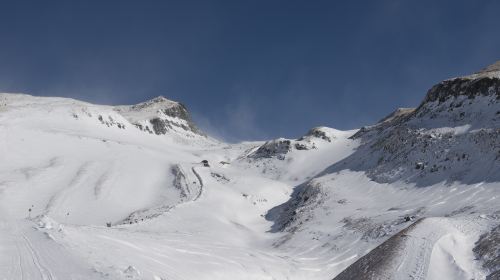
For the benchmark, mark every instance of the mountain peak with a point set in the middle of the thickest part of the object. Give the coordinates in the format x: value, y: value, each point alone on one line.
x: 160, y: 99
x: 485, y: 82
x: 159, y: 102
x: 491, y: 71
x: 161, y: 113
x: 495, y: 67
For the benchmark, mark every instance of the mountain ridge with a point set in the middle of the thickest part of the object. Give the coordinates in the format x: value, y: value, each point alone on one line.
x: 138, y: 192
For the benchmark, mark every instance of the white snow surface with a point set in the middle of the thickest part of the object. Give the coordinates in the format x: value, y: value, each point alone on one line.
x: 65, y: 174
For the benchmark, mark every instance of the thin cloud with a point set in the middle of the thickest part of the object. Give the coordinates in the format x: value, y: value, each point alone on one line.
x: 239, y: 122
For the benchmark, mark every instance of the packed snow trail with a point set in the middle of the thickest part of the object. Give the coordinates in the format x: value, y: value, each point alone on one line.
x: 29, y: 254
x: 201, y: 183
x: 430, y: 248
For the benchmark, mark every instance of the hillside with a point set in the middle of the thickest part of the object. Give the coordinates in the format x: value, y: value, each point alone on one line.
x: 140, y: 192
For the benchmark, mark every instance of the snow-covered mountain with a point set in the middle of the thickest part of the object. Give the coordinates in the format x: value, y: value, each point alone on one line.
x: 139, y: 192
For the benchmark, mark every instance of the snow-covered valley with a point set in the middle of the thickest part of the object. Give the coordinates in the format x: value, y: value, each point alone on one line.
x: 139, y: 192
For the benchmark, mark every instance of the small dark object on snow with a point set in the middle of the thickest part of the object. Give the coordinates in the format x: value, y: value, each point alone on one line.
x: 108, y: 224
x: 409, y: 218
x: 205, y: 163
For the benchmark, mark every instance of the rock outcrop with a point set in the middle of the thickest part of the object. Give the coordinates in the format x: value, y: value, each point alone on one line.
x: 455, y: 129
x: 160, y: 115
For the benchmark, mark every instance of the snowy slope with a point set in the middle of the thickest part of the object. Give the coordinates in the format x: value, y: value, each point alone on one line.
x: 438, y: 160
x: 120, y: 192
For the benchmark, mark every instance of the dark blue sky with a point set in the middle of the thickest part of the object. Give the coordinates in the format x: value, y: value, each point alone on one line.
x: 247, y: 69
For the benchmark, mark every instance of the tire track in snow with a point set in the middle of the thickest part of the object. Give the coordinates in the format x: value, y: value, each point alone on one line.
x: 45, y: 273
x: 201, y: 183
x: 19, y: 263
x: 26, y: 260
x: 29, y: 253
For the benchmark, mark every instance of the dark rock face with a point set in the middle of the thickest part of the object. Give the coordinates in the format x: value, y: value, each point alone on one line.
x: 275, y: 148
x: 161, y: 126
x: 377, y: 263
x: 318, y: 133
x: 180, y: 182
x: 179, y: 111
x: 440, y: 93
x: 425, y: 142
x: 287, y: 216
x: 487, y: 250
x: 278, y: 148
x: 463, y: 86
x: 391, y: 120
x: 162, y: 114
